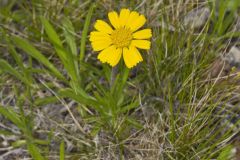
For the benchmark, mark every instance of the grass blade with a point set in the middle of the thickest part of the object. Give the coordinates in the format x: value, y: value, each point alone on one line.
x: 12, y: 116
x: 66, y: 58
x: 84, y: 99
x: 32, y: 51
x: 85, y: 31
x: 62, y: 151
x: 54, y: 38
x: 6, y: 67
x: 71, y: 41
x: 34, y: 151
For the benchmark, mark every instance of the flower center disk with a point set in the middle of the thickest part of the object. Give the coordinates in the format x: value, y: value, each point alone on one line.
x: 121, y: 37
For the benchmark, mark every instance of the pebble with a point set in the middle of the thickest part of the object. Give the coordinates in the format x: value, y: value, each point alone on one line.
x: 197, y: 17
x: 233, y: 56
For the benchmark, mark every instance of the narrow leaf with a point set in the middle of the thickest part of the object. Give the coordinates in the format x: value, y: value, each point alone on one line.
x: 34, y: 151
x: 12, y: 116
x: 6, y: 67
x: 32, y: 51
x: 52, y: 35
x: 84, y: 99
x: 71, y: 41
x: 69, y: 35
x: 66, y: 58
x: 85, y: 31
x: 62, y: 151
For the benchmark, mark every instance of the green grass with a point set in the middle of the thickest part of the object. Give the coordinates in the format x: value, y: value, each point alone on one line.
x: 65, y: 104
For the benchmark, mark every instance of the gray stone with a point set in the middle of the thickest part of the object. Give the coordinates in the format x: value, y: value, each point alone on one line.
x: 197, y: 17
x: 233, y: 56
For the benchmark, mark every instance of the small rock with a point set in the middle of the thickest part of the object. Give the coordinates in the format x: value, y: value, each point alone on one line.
x: 233, y: 56
x: 3, y: 3
x: 197, y: 17
x: 148, y: 112
x: 221, y: 67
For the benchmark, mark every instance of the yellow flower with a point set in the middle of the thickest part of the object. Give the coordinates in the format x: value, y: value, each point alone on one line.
x: 121, y: 39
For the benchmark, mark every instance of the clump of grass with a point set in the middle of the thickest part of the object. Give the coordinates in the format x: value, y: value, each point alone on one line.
x: 166, y: 108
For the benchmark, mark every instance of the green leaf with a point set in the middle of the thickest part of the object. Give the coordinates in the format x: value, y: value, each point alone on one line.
x: 129, y: 107
x: 34, y: 151
x: 12, y: 116
x: 14, y: 53
x: 66, y: 58
x: 81, y: 98
x: 18, y: 143
x: 62, y: 150
x: 85, y: 31
x: 226, y: 153
x: 44, y: 101
x: 6, y: 133
x: 52, y: 35
x: 95, y: 130
x: 6, y: 67
x: 41, y: 142
x: 134, y: 123
x: 69, y: 35
x: 233, y: 5
x: 33, y: 52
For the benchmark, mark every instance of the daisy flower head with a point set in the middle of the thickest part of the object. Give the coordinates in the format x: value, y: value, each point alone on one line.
x: 121, y: 38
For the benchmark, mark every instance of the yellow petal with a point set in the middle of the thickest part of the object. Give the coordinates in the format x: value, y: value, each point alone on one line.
x: 136, y: 54
x: 99, y: 36
x: 124, y: 14
x: 142, y: 44
x: 131, y: 56
x: 103, y: 27
x: 110, y: 55
x: 96, y: 33
x: 114, y: 19
x: 115, y: 56
x: 100, y: 45
x: 137, y: 23
x: 133, y: 16
x: 127, y: 57
x: 103, y: 56
x: 143, y: 34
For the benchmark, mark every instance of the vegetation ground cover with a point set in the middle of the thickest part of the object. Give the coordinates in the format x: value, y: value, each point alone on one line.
x: 58, y: 101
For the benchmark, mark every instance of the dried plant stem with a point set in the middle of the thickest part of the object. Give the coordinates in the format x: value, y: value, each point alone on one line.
x: 67, y: 107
